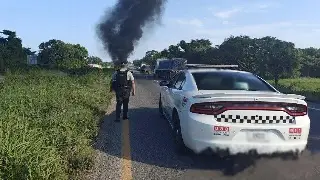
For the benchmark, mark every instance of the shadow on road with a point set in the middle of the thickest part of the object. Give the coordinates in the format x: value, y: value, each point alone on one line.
x: 152, y: 143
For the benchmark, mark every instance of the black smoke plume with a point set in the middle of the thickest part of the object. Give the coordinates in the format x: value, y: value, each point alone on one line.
x: 122, y: 27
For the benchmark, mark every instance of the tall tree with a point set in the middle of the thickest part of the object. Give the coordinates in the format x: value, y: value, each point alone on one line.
x: 280, y: 57
x: 11, y: 51
x: 94, y: 60
x: 268, y: 56
x: 57, y: 53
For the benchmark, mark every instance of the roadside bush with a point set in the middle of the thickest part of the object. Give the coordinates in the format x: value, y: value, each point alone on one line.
x: 309, y: 87
x: 48, y: 120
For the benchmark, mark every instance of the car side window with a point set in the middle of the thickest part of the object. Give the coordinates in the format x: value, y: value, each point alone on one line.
x: 183, y: 82
x: 174, y: 80
x: 180, y: 81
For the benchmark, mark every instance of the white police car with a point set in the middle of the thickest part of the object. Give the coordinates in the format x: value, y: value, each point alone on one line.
x: 213, y: 107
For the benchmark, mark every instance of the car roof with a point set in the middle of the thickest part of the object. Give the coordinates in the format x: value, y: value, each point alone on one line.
x: 214, y: 70
x: 162, y: 59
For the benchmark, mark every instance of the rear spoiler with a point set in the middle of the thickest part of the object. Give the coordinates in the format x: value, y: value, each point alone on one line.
x: 278, y: 95
x: 218, y: 66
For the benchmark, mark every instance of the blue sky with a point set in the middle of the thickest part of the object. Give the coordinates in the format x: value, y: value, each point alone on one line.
x: 74, y: 21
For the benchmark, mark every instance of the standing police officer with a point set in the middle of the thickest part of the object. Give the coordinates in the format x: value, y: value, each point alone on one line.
x: 123, y: 84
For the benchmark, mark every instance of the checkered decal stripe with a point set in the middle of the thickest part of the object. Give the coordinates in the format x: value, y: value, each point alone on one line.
x: 255, y: 119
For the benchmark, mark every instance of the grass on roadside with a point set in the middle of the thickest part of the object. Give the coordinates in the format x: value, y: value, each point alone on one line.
x: 47, y: 122
x: 309, y: 87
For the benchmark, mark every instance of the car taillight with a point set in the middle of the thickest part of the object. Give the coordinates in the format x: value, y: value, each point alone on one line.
x: 215, y: 108
x: 297, y: 109
x: 206, y: 108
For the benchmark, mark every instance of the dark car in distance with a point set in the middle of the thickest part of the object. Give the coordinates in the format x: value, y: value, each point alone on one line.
x: 167, y: 68
x: 146, y: 69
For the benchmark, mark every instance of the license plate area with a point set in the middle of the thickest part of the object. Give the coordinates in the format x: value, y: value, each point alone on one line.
x: 257, y: 136
x: 221, y: 131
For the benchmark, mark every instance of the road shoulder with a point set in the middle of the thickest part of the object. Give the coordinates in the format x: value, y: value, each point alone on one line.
x: 107, y: 148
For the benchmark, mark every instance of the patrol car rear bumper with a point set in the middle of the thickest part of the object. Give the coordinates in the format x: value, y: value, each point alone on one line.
x: 220, y: 147
x: 199, y: 135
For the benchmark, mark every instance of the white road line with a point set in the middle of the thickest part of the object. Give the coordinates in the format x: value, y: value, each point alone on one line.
x: 314, y: 109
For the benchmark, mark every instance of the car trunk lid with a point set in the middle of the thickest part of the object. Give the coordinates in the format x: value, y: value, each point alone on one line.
x: 248, y: 96
x: 250, y: 107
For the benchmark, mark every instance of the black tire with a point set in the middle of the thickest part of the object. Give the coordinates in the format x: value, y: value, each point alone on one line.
x: 180, y: 147
x: 160, y: 107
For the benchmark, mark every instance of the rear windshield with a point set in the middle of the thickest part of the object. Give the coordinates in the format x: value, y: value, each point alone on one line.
x: 226, y: 80
x: 178, y: 64
x: 165, y: 65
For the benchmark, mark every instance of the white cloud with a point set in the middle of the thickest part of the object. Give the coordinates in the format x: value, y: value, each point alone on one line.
x: 227, y: 13
x: 267, y: 5
x: 248, y: 8
x: 191, y: 22
x: 225, y: 22
x: 263, y: 6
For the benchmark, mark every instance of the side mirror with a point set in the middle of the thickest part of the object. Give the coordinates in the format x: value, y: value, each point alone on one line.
x: 163, y: 83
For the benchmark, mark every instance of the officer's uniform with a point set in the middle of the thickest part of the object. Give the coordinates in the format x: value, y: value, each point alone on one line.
x: 120, y: 99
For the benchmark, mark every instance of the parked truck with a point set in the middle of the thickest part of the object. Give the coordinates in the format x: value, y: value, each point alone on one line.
x: 166, y: 68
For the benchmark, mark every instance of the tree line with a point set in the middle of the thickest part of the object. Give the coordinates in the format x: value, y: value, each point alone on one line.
x: 52, y: 53
x: 268, y: 57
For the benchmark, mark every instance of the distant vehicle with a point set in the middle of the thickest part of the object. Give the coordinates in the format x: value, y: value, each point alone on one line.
x: 95, y: 66
x: 130, y: 68
x: 230, y: 111
x: 146, y: 69
x: 166, y: 68
x: 161, y: 61
x: 142, y: 65
x: 141, y: 68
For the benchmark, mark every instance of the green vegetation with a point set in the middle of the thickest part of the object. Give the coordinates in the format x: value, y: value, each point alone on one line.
x: 49, y: 113
x: 53, y: 53
x: 47, y: 122
x: 11, y: 51
x: 267, y: 57
x: 309, y: 87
